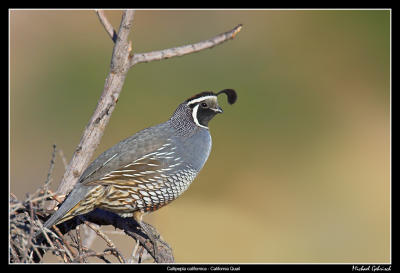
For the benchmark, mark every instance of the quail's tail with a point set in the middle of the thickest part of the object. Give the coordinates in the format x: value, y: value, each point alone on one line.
x: 56, y: 217
x: 63, y: 211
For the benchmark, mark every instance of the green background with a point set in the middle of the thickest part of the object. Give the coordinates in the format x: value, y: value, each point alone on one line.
x: 300, y: 166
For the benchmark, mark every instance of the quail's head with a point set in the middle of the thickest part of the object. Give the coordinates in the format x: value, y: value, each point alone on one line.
x: 204, y: 106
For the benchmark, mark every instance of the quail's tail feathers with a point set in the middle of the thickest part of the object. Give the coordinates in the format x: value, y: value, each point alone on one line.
x: 73, y: 199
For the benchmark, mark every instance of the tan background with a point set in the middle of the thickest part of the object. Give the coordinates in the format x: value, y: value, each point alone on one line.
x: 300, y: 166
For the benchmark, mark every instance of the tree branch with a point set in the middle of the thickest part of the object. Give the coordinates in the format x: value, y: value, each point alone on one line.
x: 132, y: 229
x: 186, y: 49
x: 128, y: 225
x: 27, y: 219
x: 108, y: 27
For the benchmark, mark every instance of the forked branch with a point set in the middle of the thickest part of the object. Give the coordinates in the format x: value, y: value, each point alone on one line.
x: 170, y: 52
x: 185, y: 49
x: 107, y: 26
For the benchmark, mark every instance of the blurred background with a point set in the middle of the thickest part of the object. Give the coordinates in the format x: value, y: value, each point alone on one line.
x: 300, y: 166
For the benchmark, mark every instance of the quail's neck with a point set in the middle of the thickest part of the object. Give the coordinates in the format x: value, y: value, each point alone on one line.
x: 182, y: 121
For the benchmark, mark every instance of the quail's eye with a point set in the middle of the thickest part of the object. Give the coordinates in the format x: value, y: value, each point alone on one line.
x: 204, y: 105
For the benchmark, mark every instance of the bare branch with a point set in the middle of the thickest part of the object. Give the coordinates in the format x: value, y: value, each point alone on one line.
x: 68, y: 249
x: 64, y: 160
x: 79, y: 243
x: 53, y: 155
x: 100, y: 255
x: 88, y: 236
x: 106, y: 239
x: 186, y: 49
x: 107, y: 25
x: 132, y: 229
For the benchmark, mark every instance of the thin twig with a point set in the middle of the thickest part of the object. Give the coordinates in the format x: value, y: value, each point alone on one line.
x: 64, y: 160
x: 49, y: 173
x: 134, y: 252
x: 79, y: 243
x: 101, y: 234
x: 140, y: 254
x: 107, y: 25
x: 64, y: 254
x: 106, y: 239
x: 53, y: 155
x: 132, y: 229
x: 13, y: 197
x: 18, y: 205
x: 91, y: 253
x: 186, y: 49
x: 71, y: 253
x: 31, y: 217
x: 116, y: 253
x: 89, y: 236
x: 14, y: 254
x: 44, y: 232
x: 35, y: 249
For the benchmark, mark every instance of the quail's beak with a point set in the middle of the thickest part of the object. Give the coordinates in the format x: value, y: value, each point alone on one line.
x: 217, y: 110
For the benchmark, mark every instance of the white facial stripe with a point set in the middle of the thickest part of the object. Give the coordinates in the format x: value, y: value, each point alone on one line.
x: 194, y: 115
x: 200, y: 99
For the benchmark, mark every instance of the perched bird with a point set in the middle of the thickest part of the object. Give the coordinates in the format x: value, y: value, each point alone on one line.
x: 149, y: 169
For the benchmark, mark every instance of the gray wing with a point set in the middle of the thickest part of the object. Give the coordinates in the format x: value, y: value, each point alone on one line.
x: 127, y: 151
x: 130, y: 152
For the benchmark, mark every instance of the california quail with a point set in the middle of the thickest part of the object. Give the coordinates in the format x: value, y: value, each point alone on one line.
x: 149, y: 169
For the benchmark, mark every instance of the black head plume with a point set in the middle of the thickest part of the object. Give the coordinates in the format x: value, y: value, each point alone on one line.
x: 232, y: 96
